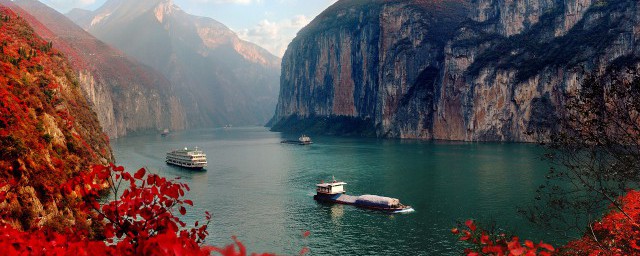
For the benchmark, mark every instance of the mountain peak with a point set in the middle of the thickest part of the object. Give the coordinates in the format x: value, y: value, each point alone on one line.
x: 164, y: 7
x: 124, y: 10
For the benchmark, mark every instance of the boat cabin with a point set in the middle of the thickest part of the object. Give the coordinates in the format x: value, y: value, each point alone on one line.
x: 304, y: 139
x: 331, y: 188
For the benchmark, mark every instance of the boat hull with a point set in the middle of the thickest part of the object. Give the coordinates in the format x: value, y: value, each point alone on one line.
x: 295, y: 142
x: 351, y: 200
x: 187, y: 167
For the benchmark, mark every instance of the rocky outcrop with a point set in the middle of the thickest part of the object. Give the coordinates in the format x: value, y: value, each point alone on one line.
x: 218, y: 78
x: 481, y: 70
x: 48, y: 132
x: 132, y: 107
x: 127, y: 96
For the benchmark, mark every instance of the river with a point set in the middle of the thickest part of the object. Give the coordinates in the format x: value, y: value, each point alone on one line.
x: 261, y: 190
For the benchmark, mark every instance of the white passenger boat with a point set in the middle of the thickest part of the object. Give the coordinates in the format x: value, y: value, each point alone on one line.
x: 304, y: 140
x: 188, y: 158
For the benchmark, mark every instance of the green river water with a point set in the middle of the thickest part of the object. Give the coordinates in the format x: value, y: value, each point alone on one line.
x: 261, y: 190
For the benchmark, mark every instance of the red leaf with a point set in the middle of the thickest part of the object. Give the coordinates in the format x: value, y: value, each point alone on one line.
x: 189, y: 202
x: 151, y: 179
x: 466, y: 236
x: 518, y: 251
x: 484, y: 238
x: 98, y: 168
x: 471, y: 225
x: 546, y: 246
x: 529, y: 244
x: 306, y: 234
x: 140, y: 173
x: 183, y: 211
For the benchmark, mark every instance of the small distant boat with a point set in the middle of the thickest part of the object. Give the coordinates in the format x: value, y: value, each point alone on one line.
x: 334, y: 192
x: 165, y: 132
x: 187, y: 158
x: 303, y: 140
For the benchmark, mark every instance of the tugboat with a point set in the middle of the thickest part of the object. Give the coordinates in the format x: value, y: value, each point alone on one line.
x: 165, y: 132
x: 187, y: 158
x: 334, y: 192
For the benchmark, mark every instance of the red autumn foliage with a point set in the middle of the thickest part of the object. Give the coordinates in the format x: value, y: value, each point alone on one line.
x: 618, y: 233
x: 144, y: 215
x: 143, y: 219
x: 483, y: 242
x: 48, y: 132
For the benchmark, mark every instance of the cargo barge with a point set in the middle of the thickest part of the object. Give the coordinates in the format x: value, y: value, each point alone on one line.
x: 334, y: 192
x: 303, y: 140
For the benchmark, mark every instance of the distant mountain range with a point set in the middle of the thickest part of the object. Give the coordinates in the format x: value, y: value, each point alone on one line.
x: 219, y: 78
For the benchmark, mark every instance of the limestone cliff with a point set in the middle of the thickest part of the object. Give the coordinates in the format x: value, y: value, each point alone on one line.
x: 490, y: 70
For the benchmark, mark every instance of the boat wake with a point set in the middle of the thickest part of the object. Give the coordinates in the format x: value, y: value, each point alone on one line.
x: 407, y: 210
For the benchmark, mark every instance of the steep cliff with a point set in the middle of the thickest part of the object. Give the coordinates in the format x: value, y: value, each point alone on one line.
x: 219, y: 78
x: 127, y: 95
x: 489, y: 70
x: 48, y: 132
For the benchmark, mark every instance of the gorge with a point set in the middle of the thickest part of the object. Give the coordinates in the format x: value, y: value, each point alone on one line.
x: 218, y: 78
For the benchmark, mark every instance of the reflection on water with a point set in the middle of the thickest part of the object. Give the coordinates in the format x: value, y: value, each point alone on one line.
x: 261, y: 190
x: 337, y: 212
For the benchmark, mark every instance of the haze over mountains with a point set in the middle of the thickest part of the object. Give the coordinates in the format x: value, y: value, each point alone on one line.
x: 219, y: 78
x: 126, y: 95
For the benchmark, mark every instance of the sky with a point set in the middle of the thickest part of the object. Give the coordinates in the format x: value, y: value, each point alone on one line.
x: 271, y: 24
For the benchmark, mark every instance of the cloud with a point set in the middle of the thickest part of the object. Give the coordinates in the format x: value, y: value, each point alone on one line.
x: 274, y: 36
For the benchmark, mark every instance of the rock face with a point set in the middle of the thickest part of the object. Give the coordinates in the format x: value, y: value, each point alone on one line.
x: 218, y: 78
x: 127, y: 95
x: 48, y: 132
x: 481, y: 70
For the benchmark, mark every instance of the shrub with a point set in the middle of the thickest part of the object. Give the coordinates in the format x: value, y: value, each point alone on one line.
x: 47, y: 138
